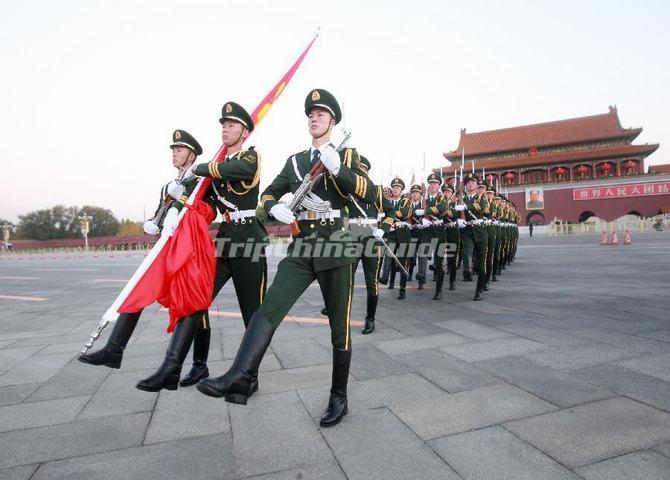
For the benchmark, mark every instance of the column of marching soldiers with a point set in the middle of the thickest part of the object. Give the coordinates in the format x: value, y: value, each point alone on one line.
x: 449, y: 224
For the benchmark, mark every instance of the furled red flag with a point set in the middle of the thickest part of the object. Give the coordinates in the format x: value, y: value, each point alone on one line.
x: 179, y: 270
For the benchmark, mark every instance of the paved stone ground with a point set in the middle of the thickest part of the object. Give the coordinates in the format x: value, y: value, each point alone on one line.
x: 562, y: 372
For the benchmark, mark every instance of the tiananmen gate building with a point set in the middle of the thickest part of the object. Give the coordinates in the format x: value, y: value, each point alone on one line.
x: 568, y: 169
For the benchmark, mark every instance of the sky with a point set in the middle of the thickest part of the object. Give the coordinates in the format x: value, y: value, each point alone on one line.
x: 91, y: 90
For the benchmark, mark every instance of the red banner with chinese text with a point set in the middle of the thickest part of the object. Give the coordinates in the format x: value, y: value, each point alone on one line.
x: 621, y: 191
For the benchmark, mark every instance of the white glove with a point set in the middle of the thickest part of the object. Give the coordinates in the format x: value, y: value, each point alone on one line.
x: 461, y: 222
x: 459, y: 208
x: 282, y: 213
x: 175, y: 189
x: 419, y: 211
x: 331, y: 159
x: 479, y: 221
x: 378, y: 233
x: 150, y: 227
x: 170, y: 222
x: 425, y: 222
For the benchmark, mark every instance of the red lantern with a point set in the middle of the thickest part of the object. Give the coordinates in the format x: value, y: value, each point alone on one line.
x: 630, y: 166
x: 606, y: 168
x: 509, y: 176
x: 581, y: 170
x: 560, y: 171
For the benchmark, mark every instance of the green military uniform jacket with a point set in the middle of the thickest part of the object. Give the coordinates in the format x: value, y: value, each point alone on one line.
x: 234, y: 187
x: 351, y: 179
x: 379, y: 209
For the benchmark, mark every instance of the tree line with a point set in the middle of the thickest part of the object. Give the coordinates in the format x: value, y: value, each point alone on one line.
x: 61, y: 222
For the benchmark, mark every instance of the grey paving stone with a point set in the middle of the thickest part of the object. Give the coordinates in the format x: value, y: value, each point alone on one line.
x: 550, y: 385
x: 664, y: 449
x: 633, y: 343
x: 417, y: 329
x: 300, y: 352
x: 40, y: 414
x: 547, y: 336
x: 118, y: 395
x: 473, y: 330
x: 660, y: 335
x: 10, y: 357
x: 412, y: 344
x: 460, y: 412
x: 18, y: 473
x: 187, y: 413
x: 214, y: 456
x: 329, y: 470
x: 656, y: 366
x: 6, y: 343
x: 294, y: 379
x: 368, y: 361
x: 594, y: 432
x: 496, y: 454
x: 373, y: 443
x: 279, y: 420
x: 628, y: 382
x: 644, y: 465
x: 38, y: 368
x: 73, y: 379
x: 449, y: 373
x: 570, y: 357
x: 500, y: 347
x: 374, y: 393
x: 17, y: 393
x: 81, y: 437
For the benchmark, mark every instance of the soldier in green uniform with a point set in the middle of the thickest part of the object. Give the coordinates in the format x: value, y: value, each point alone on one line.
x: 474, y: 234
x: 496, y: 212
x: 364, y: 219
x: 240, y: 241
x: 389, y: 266
x: 322, y: 251
x: 418, y: 234
x: 402, y: 210
x: 185, y: 149
x: 448, y: 238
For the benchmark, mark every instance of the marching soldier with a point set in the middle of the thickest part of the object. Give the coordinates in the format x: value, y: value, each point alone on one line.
x: 448, y: 238
x: 487, y: 190
x: 363, y: 221
x: 185, y: 149
x: 474, y: 234
x: 399, y: 204
x: 240, y: 248
x: 418, y: 234
x: 331, y: 266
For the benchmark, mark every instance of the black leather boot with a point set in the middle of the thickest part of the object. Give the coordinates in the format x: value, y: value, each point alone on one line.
x: 199, y: 369
x: 392, y: 276
x: 324, y: 311
x: 111, y: 354
x: 370, y: 317
x: 167, y: 375
x: 481, y: 283
x: 403, y: 285
x: 438, y: 285
x: 237, y: 384
x: 337, y: 403
x: 467, y: 276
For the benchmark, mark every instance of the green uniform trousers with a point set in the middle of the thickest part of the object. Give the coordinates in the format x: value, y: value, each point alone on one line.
x: 475, y: 242
x: 249, y: 278
x: 294, y: 275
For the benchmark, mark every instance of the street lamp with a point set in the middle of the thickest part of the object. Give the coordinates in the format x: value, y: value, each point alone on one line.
x: 6, y: 228
x: 84, y: 222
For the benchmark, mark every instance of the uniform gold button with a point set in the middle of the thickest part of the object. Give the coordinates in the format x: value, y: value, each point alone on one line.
x: 311, y: 225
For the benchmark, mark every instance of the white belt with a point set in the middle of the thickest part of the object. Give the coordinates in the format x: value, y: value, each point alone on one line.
x: 437, y: 222
x: 237, y: 215
x: 452, y: 224
x: 312, y: 215
x: 402, y: 224
x: 363, y: 221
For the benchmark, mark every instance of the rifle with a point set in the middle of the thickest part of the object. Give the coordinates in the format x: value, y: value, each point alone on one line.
x: 302, y: 197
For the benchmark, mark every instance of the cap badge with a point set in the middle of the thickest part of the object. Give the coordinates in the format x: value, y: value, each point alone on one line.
x: 177, y: 134
x: 229, y: 108
x: 315, y: 96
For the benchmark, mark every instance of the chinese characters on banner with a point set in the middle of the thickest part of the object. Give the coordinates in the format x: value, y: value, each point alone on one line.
x: 619, y: 191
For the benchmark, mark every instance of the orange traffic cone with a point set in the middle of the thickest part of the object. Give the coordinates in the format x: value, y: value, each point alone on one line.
x: 627, y: 239
x: 603, y: 238
x: 615, y: 238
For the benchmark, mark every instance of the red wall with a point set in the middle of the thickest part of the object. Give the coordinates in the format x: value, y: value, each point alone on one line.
x: 559, y: 204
